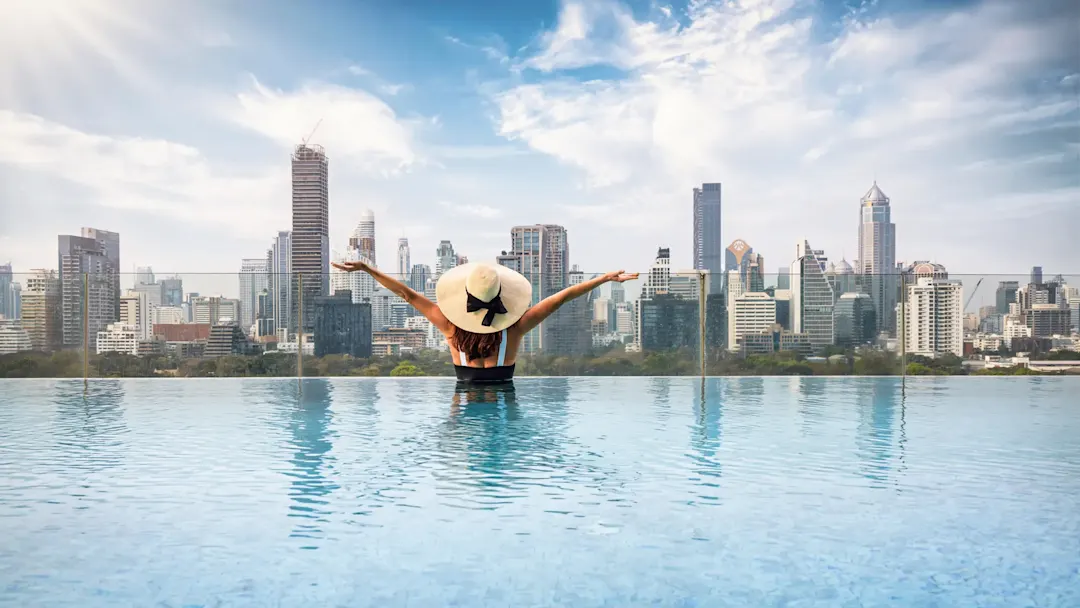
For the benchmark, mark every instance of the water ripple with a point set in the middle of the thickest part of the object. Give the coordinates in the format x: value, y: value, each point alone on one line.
x: 591, y: 491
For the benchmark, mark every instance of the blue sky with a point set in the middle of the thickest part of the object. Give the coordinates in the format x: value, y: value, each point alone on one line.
x: 171, y: 123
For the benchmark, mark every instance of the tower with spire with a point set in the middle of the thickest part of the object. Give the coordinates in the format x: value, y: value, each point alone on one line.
x: 877, y: 255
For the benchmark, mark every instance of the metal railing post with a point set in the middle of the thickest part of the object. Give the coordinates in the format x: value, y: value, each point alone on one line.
x: 702, y: 313
x: 903, y: 332
x: 86, y: 330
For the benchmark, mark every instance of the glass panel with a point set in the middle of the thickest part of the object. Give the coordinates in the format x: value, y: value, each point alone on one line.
x: 816, y: 319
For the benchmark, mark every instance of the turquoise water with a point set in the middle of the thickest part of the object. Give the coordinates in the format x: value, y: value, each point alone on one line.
x: 566, y: 492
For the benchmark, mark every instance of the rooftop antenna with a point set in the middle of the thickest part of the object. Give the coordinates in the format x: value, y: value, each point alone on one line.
x: 305, y: 140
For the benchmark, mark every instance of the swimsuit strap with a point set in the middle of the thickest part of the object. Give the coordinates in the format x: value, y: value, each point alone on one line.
x: 502, y: 350
x: 502, y: 353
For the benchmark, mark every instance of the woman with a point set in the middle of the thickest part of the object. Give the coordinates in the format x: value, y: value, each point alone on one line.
x: 483, y: 311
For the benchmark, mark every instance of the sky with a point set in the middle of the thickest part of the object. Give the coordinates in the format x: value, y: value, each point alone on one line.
x: 172, y: 124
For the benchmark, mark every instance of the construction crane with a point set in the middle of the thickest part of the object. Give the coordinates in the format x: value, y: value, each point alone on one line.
x: 305, y: 140
x: 972, y: 296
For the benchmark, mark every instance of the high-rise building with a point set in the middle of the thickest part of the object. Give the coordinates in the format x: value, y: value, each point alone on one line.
x: 541, y: 252
x: 658, y: 280
x: 1006, y: 294
x: 137, y: 313
x: 708, y: 244
x: 211, y: 310
x: 618, y: 293
x: 310, y: 238
x: 856, y: 320
x: 667, y: 322
x: 342, y: 326
x: 41, y: 314
x: 877, y: 254
x: 932, y: 317
x: 279, y: 280
x: 253, y: 281
x: 264, y: 315
x: 109, y: 243
x: 154, y: 292
x: 363, y: 237
x: 1036, y: 275
x: 812, y: 297
x: 748, y: 266
x: 145, y: 275
x: 361, y: 285
x: 15, y: 300
x: 783, y: 278
x: 418, y: 277
x: 7, y: 306
x: 843, y: 278
x: 88, y: 288
x: 172, y: 291
x: 753, y: 313
x: 404, y: 259
x: 445, y: 258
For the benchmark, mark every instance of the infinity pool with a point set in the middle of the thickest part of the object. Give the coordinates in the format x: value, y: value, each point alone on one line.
x: 565, y: 492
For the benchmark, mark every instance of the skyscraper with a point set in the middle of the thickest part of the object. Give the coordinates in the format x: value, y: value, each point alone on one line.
x: 363, y: 237
x: 310, y: 238
x: 856, y: 323
x: 7, y: 306
x: 1036, y: 275
x: 708, y: 246
x: 404, y: 259
x: 253, y: 281
x: 41, y: 310
x: 88, y: 279
x: 172, y: 291
x: 279, y: 280
x: 418, y: 277
x: 877, y: 255
x: 110, y: 248
x: 933, y: 319
x: 445, y: 258
x: 541, y: 253
x: 144, y: 275
x: 812, y: 297
x: 750, y: 267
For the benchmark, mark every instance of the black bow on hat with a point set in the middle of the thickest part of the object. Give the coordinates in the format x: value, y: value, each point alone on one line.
x: 494, y: 307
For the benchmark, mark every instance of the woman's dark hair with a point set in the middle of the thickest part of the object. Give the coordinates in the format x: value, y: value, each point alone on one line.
x: 477, y: 346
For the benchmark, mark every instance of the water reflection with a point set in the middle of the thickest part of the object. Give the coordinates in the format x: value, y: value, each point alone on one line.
x: 879, y: 401
x: 90, y: 427
x: 498, y: 443
x: 705, y: 439
x: 311, y: 439
x: 813, y: 401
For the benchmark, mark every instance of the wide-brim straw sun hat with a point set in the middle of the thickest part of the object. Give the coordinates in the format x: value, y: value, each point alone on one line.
x: 483, y: 298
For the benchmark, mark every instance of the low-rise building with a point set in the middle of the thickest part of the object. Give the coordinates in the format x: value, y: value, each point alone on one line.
x: 773, y: 340
x: 118, y: 338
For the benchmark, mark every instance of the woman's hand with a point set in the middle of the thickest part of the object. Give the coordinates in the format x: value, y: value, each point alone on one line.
x: 620, y: 276
x: 350, y: 266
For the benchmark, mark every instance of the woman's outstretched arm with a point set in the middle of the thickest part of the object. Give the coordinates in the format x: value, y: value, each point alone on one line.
x: 535, y: 315
x: 417, y: 300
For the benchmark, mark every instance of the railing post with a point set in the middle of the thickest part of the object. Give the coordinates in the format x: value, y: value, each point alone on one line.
x: 300, y: 326
x: 86, y: 330
x: 903, y: 332
x: 702, y: 314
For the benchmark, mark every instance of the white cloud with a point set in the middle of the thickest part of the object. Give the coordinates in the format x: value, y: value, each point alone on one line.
x: 473, y: 209
x: 357, y: 127
x: 745, y: 94
x: 132, y: 173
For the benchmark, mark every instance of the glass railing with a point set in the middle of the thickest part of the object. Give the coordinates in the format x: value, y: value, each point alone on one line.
x: 666, y: 323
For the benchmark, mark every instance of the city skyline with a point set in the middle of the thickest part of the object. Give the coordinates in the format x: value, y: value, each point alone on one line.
x: 973, y: 148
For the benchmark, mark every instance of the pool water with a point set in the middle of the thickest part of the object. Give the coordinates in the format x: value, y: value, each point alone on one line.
x: 563, y: 492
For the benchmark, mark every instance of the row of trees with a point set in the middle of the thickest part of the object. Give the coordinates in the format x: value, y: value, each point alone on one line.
x: 69, y: 364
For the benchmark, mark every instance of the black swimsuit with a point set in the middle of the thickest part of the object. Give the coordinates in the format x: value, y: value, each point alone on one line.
x: 486, y: 375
